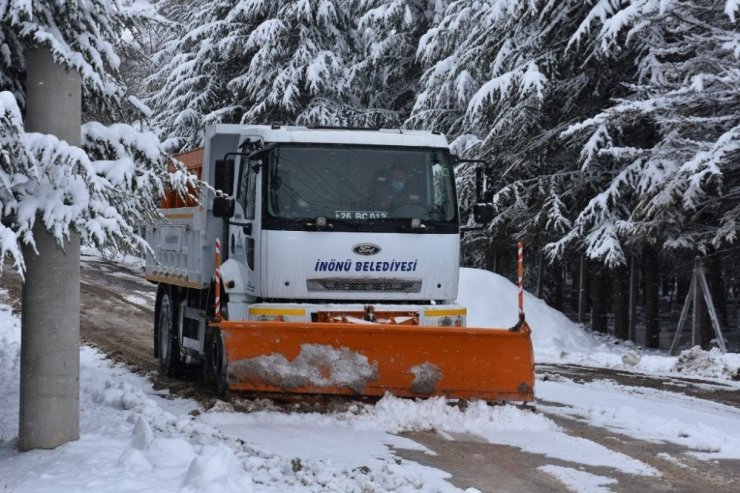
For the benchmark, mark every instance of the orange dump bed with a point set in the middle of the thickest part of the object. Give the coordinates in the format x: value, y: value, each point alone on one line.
x: 372, y: 359
x: 193, y: 161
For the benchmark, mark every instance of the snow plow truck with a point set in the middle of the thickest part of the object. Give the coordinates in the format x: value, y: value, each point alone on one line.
x: 325, y: 261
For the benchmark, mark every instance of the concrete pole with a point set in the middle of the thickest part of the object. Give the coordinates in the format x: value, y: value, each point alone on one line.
x: 50, y: 322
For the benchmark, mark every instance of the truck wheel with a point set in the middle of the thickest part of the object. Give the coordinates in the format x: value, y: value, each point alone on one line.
x: 168, y: 347
x: 218, y: 366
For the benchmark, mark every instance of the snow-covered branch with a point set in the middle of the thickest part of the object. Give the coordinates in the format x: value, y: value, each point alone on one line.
x: 105, y: 189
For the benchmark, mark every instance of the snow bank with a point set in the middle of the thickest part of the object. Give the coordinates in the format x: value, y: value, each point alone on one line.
x: 10, y: 348
x: 711, y: 363
x: 506, y: 425
x: 492, y: 302
x: 133, y: 438
x: 709, y: 429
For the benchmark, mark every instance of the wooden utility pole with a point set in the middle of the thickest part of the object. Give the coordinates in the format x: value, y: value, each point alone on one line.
x: 50, y: 321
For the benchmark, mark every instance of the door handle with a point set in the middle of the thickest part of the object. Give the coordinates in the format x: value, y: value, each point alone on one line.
x: 247, y: 229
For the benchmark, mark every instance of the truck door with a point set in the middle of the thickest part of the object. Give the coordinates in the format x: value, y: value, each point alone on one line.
x: 246, y: 225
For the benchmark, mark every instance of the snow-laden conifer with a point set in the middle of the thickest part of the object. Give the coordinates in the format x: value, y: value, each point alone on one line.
x: 108, y: 186
x: 298, y: 69
x: 80, y: 35
x: 384, y: 78
x: 678, y: 151
x: 204, y: 51
x: 253, y: 61
x: 506, y: 71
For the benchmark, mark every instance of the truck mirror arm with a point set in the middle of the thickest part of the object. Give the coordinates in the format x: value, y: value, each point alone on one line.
x: 249, y: 154
x: 483, y: 178
x: 255, y: 167
x: 466, y: 229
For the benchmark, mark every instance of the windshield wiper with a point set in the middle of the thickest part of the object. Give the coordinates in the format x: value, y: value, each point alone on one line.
x: 323, y: 223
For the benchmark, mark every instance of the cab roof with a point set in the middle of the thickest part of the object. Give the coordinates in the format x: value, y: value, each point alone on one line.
x: 323, y: 135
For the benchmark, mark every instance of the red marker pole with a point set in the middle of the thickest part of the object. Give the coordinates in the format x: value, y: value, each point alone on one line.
x: 520, y: 275
x: 217, y: 276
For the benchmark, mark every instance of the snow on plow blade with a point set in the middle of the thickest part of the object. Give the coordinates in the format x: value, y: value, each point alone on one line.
x: 372, y: 359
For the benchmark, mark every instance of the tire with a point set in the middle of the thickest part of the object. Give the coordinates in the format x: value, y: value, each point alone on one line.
x: 166, y: 337
x: 218, y: 367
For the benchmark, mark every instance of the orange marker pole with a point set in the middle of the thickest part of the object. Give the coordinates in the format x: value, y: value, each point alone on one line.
x: 520, y: 275
x: 217, y: 276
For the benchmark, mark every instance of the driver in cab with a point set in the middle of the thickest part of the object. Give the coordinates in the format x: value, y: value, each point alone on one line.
x: 395, y: 193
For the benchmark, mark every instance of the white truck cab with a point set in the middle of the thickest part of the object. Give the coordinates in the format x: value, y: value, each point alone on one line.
x: 314, y: 225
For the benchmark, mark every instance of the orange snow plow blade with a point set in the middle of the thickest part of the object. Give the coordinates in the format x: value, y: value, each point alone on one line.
x: 372, y: 359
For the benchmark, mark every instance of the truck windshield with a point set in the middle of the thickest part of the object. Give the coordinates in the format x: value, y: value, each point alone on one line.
x: 360, y: 183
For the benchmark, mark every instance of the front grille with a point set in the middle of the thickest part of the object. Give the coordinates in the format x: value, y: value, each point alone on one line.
x: 365, y: 285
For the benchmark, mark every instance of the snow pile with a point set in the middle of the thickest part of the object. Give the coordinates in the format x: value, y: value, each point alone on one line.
x: 492, y: 302
x: 396, y: 415
x: 713, y: 363
x: 339, y: 367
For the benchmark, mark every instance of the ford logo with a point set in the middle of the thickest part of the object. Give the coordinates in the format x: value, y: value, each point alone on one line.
x: 366, y: 249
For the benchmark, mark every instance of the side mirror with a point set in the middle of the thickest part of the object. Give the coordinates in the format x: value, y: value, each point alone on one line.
x: 483, y: 184
x: 224, y: 176
x: 483, y: 213
x: 223, y: 207
x: 479, y: 178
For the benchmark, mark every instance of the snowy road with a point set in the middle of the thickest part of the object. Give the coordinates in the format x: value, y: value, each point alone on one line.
x: 594, y: 429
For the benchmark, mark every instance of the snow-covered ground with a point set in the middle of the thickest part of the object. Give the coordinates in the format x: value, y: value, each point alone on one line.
x: 134, y: 438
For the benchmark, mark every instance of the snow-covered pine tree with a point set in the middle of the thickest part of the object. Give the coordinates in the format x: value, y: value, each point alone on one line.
x: 504, y: 71
x: 204, y: 51
x: 299, y: 60
x: 685, y: 178
x: 144, y: 34
x: 81, y: 36
x: 14, y: 161
x: 12, y: 62
x: 103, y: 189
x: 255, y: 62
x: 385, y: 75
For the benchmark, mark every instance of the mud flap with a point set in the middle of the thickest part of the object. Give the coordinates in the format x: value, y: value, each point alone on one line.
x: 372, y: 359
